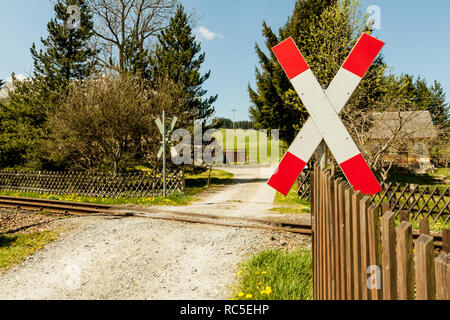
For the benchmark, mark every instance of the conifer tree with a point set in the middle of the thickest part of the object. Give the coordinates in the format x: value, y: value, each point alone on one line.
x: 271, y: 107
x: 178, y: 56
x: 65, y: 56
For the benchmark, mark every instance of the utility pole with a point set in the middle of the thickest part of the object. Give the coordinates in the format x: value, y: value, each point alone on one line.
x: 323, y: 149
x: 164, y: 152
x: 234, y: 112
x: 323, y: 155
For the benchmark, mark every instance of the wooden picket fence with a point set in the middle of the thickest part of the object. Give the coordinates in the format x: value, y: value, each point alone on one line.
x: 131, y: 184
x: 419, y: 201
x: 359, y: 254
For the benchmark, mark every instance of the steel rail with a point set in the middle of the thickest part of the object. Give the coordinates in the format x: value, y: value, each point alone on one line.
x: 83, y: 209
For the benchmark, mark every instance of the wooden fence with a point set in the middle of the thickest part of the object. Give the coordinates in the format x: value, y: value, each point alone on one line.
x: 358, y: 255
x: 419, y: 201
x: 132, y: 184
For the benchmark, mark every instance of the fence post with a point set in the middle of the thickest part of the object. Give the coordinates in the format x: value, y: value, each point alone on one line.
x: 424, y: 226
x: 385, y: 207
x: 320, y: 239
x: 374, y: 245
x: 364, y: 205
x: 356, y: 198
x: 336, y: 243
x: 446, y: 240
x: 348, y: 244
x: 342, y: 247
x: 389, y: 257
x: 330, y: 238
x: 404, y: 215
x: 442, y: 265
x: 425, y: 273
x: 405, y: 262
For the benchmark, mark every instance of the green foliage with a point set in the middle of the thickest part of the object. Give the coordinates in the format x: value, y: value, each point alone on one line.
x: 65, y: 56
x: 224, y: 123
x: 178, y: 56
x: 276, y: 275
x: 22, y: 122
x: 273, y: 103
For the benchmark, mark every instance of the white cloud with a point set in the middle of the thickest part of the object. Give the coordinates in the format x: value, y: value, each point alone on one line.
x: 204, y: 33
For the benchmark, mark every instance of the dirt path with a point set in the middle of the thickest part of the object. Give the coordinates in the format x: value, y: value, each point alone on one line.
x: 139, y: 258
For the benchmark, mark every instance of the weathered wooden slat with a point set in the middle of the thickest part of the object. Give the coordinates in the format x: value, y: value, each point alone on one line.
x: 364, y: 206
x: 356, y: 245
x: 342, y: 245
x: 446, y: 240
x: 389, y: 256
x: 405, y: 262
x: 348, y: 244
x: 373, y: 227
x: 331, y: 238
x: 313, y: 231
x: 424, y: 226
x: 336, y: 243
x: 442, y: 265
x: 425, y: 272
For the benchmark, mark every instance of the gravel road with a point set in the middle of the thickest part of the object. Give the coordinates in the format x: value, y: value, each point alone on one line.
x: 140, y: 258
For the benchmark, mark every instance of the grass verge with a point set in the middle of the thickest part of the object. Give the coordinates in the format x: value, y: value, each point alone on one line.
x: 15, y: 248
x: 434, y: 226
x: 291, y: 204
x: 194, y: 185
x: 276, y: 275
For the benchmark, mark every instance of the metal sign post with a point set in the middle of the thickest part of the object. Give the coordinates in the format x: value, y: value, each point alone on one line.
x: 164, y: 152
x: 165, y: 141
x: 324, y: 108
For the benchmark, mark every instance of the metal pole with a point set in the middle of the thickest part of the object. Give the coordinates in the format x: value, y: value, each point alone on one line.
x: 234, y: 112
x: 164, y: 152
x: 323, y: 155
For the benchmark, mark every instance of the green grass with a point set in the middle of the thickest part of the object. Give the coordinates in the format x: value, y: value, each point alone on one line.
x: 291, y: 204
x: 434, y: 226
x: 276, y: 275
x: 291, y: 199
x: 252, y: 146
x: 15, y: 248
x: 291, y: 210
x: 194, y: 185
x: 442, y: 172
x: 421, y: 179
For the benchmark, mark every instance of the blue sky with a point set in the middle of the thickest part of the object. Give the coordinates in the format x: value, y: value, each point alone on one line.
x: 417, y: 36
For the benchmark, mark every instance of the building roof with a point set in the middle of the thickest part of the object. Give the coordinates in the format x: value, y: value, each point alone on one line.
x: 412, y: 125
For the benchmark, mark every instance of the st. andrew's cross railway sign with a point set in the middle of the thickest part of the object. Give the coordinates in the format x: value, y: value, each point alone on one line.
x: 324, y: 122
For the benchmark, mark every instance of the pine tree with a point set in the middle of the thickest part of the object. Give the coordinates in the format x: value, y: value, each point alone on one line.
x: 136, y: 59
x: 65, y: 57
x: 178, y: 56
x: 273, y: 107
x: 66, y: 54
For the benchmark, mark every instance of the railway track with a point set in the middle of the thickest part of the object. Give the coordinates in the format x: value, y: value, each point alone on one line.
x: 55, y: 206
x: 83, y: 209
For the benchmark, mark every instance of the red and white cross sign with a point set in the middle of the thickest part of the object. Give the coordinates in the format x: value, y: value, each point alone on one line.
x: 324, y: 109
